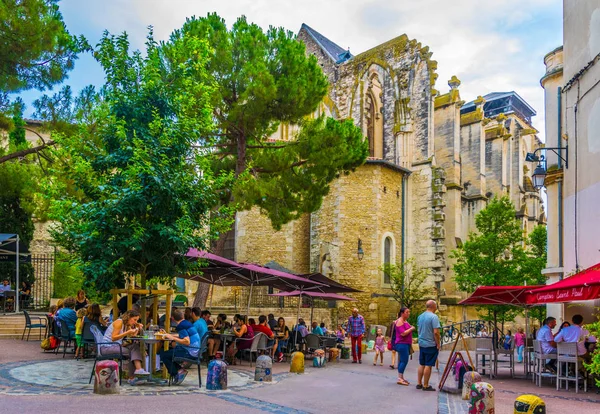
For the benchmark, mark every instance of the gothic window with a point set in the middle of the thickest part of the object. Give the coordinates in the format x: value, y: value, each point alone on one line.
x: 370, y: 114
x: 387, y: 258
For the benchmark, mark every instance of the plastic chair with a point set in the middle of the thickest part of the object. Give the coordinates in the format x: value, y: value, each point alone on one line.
x: 87, y: 337
x: 510, y: 353
x: 484, y: 347
x: 254, y: 347
x: 313, y: 342
x: 65, y: 337
x: 29, y: 325
x: 540, y: 363
x: 567, y: 353
x: 194, y: 360
x: 99, y: 341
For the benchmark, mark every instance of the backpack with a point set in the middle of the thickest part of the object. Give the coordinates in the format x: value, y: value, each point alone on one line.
x: 45, y: 345
x: 54, y: 342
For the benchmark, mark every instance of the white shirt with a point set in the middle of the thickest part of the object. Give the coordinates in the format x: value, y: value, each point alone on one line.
x: 573, y: 333
x: 545, y: 336
x: 4, y: 288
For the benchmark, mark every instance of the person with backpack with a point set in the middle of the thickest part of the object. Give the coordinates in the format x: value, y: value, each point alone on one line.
x: 402, y: 342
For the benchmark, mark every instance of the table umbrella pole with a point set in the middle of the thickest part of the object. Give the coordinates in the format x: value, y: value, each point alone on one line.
x: 299, y: 302
x: 526, y: 341
x: 249, y: 299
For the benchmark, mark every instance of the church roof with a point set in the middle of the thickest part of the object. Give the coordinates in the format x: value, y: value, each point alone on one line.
x: 335, y: 52
x: 502, y: 102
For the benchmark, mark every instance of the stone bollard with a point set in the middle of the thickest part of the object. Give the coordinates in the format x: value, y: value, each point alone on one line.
x: 529, y: 404
x: 297, y: 364
x: 264, y: 369
x: 482, y: 398
x: 470, y: 378
x: 216, y: 379
x: 319, y: 358
x: 345, y: 353
x: 106, y: 378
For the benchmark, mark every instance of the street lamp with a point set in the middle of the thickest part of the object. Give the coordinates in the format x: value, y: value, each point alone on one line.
x: 360, y: 252
x: 539, y: 174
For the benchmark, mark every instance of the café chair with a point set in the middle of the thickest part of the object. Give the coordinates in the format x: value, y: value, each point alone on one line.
x: 485, y: 353
x: 99, y: 341
x: 28, y: 325
x: 197, y: 360
x: 540, y: 362
x: 567, y: 354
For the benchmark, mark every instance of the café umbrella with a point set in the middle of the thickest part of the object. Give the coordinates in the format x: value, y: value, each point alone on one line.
x: 311, y: 294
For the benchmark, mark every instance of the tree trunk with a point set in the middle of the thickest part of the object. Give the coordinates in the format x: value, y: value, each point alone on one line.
x: 201, y: 295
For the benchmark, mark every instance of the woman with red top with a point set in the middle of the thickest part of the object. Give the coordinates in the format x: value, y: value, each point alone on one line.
x: 403, y: 342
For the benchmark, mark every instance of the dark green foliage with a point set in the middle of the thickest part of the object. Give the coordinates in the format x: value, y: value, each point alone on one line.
x: 261, y: 80
x: 139, y: 196
x: 537, y: 256
x: 36, y: 50
x: 493, y: 256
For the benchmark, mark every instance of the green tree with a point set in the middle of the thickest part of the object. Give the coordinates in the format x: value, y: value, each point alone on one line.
x: 140, y: 197
x: 263, y: 79
x: 535, y: 262
x: 492, y: 256
x: 408, y: 283
x: 36, y: 51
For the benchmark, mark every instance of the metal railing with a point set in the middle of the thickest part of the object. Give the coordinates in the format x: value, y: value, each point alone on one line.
x: 468, y: 328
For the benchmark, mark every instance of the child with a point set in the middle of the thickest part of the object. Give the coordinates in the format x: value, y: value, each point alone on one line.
x: 380, y: 346
x: 79, y: 332
x: 507, y: 340
x: 520, y: 344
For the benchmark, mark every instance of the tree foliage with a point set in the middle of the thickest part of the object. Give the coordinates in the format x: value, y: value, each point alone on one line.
x: 140, y: 197
x: 409, y: 286
x: 264, y: 79
x: 36, y: 49
x: 537, y: 257
x: 492, y: 256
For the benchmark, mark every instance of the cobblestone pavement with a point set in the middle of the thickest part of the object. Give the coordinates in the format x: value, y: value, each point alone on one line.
x: 32, y: 381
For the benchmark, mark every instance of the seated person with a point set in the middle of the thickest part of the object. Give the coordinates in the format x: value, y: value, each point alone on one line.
x: 68, y: 316
x: 301, y: 327
x: 25, y: 291
x: 244, y: 333
x: 187, y: 346
x: 271, y: 321
x: 4, y: 287
x: 214, y: 342
x: 284, y: 336
x: 94, y: 316
x: 316, y: 329
x: 122, y: 303
x: 264, y: 328
x: 199, y: 319
x: 547, y: 343
x: 574, y: 333
x: 161, y: 320
x: 340, y: 334
x: 323, y: 328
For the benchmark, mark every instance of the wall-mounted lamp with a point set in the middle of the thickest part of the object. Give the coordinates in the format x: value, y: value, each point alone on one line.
x: 539, y: 174
x: 360, y: 252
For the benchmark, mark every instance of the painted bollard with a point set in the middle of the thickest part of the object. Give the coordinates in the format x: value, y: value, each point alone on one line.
x: 334, y: 355
x: 216, y: 379
x: 482, y: 398
x: 297, y: 364
x: 345, y: 353
x: 470, y: 378
x: 106, y: 378
x: 319, y: 358
x: 529, y: 404
x: 264, y: 369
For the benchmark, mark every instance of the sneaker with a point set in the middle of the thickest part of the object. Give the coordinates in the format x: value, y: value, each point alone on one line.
x: 280, y: 357
x: 134, y: 381
x: 141, y: 372
x: 180, y: 376
x: 550, y: 368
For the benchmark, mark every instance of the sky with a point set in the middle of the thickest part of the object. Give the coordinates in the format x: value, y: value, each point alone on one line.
x: 491, y: 46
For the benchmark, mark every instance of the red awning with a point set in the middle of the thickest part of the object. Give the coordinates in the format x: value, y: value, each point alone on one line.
x: 500, y: 295
x: 585, y: 285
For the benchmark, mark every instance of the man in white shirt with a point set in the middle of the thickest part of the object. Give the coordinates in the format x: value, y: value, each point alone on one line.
x: 547, y: 343
x: 574, y: 333
x: 4, y: 287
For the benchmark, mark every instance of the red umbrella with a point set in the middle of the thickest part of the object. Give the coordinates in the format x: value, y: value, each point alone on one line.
x: 500, y: 295
x: 585, y: 285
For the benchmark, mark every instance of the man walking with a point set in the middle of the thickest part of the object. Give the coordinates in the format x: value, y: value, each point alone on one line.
x: 356, y: 330
x: 429, y: 344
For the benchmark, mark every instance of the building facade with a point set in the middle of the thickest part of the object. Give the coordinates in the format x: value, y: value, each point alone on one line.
x: 572, y: 101
x: 434, y: 162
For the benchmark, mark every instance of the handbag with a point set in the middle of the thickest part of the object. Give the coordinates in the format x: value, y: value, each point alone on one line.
x: 393, y: 338
x: 389, y: 345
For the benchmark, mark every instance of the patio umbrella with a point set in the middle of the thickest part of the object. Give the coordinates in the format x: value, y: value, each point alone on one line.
x: 225, y: 272
x: 311, y: 294
x: 584, y: 285
x: 503, y: 295
x: 329, y: 285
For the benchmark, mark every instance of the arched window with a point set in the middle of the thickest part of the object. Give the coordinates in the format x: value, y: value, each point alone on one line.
x: 387, y: 258
x: 370, y: 113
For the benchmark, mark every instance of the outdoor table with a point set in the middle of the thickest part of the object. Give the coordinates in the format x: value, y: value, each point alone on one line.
x: 153, y: 342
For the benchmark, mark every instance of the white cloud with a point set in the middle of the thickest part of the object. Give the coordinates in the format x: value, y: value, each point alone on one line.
x: 489, y: 45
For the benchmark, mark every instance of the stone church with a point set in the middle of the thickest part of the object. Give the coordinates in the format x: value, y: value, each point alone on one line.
x: 434, y: 163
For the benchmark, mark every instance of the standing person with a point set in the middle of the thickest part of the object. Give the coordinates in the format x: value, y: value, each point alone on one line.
x: 356, y: 330
x: 79, y: 333
x: 403, y: 342
x: 428, y: 325
x: 520, y: 344
x: 81, y: 301
x: 380, y: 345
